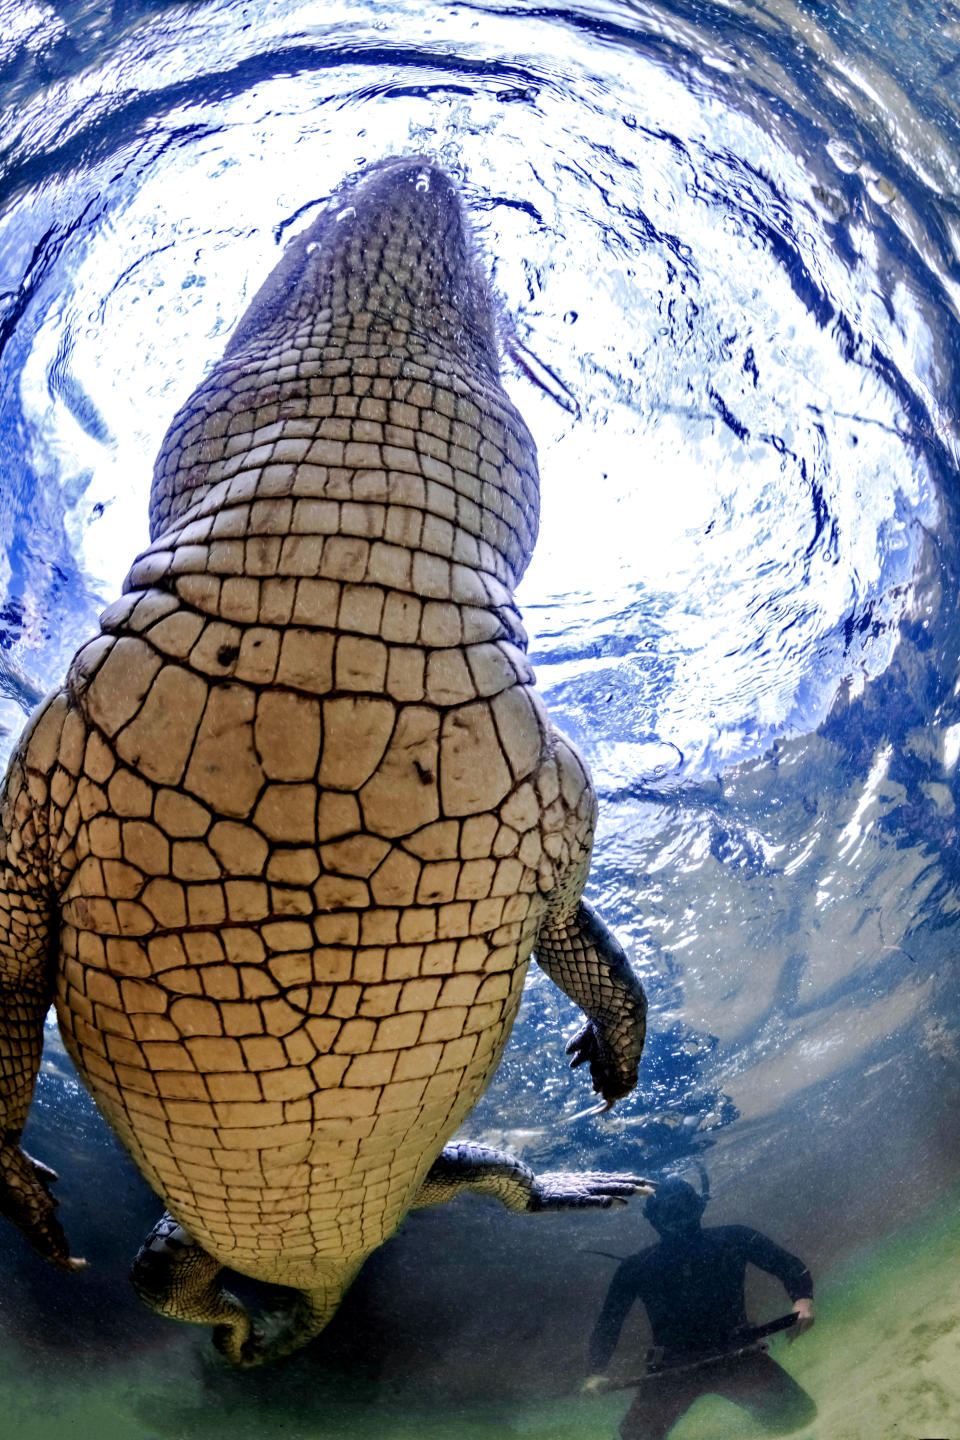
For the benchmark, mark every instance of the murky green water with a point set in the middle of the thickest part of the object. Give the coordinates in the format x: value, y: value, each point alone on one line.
x: 881, y: 1360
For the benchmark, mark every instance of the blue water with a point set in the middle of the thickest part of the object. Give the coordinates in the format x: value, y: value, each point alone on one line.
x: 731, y: 234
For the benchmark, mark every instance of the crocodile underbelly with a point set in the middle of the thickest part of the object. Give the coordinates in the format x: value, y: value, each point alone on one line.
x: 293, y: 1120
x: 288, y: 976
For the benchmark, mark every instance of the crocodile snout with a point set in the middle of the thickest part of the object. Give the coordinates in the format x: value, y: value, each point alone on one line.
x: 392, y: 256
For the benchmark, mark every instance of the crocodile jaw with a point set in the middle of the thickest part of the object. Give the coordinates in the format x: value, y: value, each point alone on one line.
x: 391, y: 258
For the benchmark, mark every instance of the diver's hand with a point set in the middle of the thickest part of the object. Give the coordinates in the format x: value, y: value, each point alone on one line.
x: 804, y: 1310
x: 25, y: 1200
x: 594, y: 1385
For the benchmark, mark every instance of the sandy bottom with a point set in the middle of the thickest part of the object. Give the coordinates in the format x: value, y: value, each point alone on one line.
x: 882, y: 1363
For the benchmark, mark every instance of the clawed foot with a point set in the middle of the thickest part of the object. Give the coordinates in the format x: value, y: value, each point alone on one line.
x: 272, y: 1336
x: 612, y: 1077
x: 591, y: 1190
x: 243, y: 1344
x: 25, y: 1200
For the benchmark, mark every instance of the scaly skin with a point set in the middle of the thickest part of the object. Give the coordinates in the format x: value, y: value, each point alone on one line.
x: 281, y: 847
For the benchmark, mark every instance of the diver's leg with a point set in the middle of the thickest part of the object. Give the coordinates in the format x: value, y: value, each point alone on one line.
x: 658, y: 1406
x: 764, y: 1389
x: 486, y: 1171
x: 176, y: 1277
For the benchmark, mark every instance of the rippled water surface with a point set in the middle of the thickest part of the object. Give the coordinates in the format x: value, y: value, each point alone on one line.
x: 726, y: 241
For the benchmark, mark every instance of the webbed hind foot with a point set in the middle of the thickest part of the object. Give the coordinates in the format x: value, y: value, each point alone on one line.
x: 175, y: 1276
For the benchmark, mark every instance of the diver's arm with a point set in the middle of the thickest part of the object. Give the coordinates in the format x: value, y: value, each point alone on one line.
x: 789, y: 1270
x: 624, y: 1290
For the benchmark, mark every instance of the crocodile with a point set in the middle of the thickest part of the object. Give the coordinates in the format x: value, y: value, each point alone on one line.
x: 281, y: 847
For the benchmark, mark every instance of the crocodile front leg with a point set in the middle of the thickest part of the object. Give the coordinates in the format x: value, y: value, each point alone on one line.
x: 586, y: 961
x: 573, y: 945
x: 486, y: 1171
x: 26, y: 932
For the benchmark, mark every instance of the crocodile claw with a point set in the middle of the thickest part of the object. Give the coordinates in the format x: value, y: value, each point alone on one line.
x: 242, y: 1344
x: 25, y: 1201
x: 612, y: 1077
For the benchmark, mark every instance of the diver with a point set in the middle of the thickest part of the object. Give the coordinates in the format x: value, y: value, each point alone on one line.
x: 692, y: 1286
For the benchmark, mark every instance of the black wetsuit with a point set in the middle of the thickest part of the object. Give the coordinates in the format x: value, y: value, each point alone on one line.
x: 692, y: 1286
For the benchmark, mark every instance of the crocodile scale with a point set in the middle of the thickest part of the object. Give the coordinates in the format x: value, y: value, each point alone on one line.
x: 281, y: 847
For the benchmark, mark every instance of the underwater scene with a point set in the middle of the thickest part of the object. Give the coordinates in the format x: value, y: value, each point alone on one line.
x: 723, y: 245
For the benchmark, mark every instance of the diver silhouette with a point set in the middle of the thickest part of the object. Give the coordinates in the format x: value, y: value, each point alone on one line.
x: 692, y: 1286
